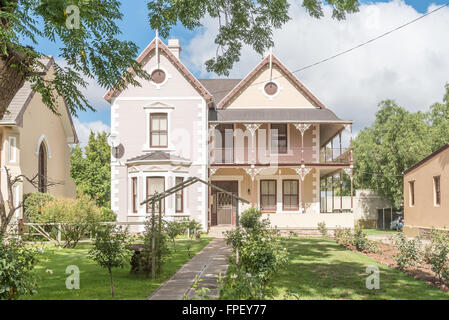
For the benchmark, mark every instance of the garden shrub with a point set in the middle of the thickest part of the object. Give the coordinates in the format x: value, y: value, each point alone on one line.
x: 191, y: 226
x: 242, y: 285
x: 410, y: 251
x: 77, y: 218
x: 174, y: 229
x: 141, y: 262
x: 250, y: 218
x: 258, y: 255
x: 343, y: 236
x: 108, y: 215
x: 32, y: 203
x: 17, y: 275
x: 436, y: 254
x: 323, y: 229
x: 359, y: 240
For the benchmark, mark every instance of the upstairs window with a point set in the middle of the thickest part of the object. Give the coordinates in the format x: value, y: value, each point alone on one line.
x: 158, y: 130
x: 279, y: 138
x: 437, y: 190
x: 12, y: 152
x: 412, y: 193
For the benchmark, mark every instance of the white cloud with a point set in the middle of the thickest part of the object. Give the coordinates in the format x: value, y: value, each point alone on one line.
x: 93, y: 92
x: 410, y: 65
x: 83, y: 129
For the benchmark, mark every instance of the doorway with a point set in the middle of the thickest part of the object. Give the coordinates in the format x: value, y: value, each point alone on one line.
x: 224, y: 207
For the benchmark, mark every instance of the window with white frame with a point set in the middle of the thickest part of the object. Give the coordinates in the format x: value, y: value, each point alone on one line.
x: 12, y: 152
x: 155, y: 185
x: 134, y: 204
x: 179, y: 196
x: 158, y: 130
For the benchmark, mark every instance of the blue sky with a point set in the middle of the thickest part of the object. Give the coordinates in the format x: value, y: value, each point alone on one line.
x: 135, y: 28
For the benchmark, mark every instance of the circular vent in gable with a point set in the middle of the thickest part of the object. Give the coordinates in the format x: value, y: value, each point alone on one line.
x: 271, y: 88
x: 158, y: 76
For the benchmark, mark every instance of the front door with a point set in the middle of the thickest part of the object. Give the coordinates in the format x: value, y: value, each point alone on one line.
x: 224, y: 207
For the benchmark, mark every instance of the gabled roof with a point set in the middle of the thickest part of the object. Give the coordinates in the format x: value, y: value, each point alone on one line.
x: 256, y: 115
x: 429, y: 157
x: 145, y: 56
x: 219, y: 88
x: 157, y: 156
x: 275, y: 62
x: 23, y: 97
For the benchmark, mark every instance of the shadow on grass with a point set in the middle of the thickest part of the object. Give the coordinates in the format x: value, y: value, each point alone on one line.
x: 94, y: 281
x: 321, y: 269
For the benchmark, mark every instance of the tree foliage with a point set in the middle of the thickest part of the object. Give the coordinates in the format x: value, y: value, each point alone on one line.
x: 76, y: 218
x: 110, y: 249
x: 88, y: 32
x: 91, y: 49
x: 394, y: 142
x: 91, y: 169
x: 17, y: 275
x: 243, y: 22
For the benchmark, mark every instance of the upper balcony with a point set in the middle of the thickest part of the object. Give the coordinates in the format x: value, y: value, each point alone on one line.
x: 293, y: 156
x: 271, y: 144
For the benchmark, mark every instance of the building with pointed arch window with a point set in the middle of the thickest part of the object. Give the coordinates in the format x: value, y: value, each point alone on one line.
x: 35, y: 141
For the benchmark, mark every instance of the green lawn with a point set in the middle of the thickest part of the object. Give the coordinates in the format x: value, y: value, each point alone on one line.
x: 94, y: 281
x: 321, y: 269
x: 380, y: 232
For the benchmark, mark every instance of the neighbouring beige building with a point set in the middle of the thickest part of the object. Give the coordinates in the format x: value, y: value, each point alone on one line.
x: 426, y: 193
x: 34, y: 141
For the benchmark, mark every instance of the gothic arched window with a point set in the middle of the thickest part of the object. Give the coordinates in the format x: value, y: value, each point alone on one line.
x: 42, y: 168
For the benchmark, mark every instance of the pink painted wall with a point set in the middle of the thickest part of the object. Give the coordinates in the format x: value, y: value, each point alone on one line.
x: 187, y: 134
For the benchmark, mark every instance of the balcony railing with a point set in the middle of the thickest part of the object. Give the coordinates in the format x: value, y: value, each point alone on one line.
x: 335, y: 155
x: 264, y: 156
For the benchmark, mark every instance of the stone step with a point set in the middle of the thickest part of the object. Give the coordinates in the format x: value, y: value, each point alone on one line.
x: 218, y: 231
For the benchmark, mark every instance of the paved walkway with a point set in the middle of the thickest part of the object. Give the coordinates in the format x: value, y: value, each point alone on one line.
x: 207, y: 264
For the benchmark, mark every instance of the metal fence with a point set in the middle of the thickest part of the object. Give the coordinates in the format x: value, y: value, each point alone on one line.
x: 385, y: 216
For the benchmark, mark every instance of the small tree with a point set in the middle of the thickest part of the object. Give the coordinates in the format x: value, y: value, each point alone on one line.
x: 174, y: 229
x: 91, y: 170
x: 110, y: 249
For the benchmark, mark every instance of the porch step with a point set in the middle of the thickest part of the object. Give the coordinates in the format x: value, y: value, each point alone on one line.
x: 218, y: 231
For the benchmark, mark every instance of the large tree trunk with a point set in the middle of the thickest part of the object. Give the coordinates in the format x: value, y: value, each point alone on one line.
x: 11, y: 80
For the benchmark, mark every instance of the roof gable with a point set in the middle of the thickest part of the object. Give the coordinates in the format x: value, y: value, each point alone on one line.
x: 145, y: 56
x: 429, y: 157
x: 23, y: 98
x: 252, y: 80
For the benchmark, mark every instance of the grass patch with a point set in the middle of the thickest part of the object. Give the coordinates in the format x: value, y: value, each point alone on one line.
x: 94, y: 281
x: 378, y: 232
x: 321, y: 269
